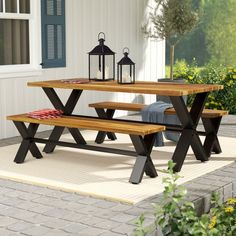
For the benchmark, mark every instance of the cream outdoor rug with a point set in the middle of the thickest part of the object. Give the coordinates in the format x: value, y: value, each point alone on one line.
x: 105, y: 175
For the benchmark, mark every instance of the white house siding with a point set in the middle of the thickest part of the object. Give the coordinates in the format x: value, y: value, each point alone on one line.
x: 121, y: 21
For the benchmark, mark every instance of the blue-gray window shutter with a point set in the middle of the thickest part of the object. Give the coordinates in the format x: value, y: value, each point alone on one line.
x: 53, y: 33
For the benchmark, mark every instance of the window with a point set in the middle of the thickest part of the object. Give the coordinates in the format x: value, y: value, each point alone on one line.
x: 14, y: 32
x: 53, y: 33
x: 26, y: 39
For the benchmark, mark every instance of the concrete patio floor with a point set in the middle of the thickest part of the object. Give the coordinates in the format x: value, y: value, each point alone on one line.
x: 33, y: 210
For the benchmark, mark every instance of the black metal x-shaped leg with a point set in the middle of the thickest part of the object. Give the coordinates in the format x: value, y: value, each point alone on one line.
x: 211, y: 143
x: 189, y: 136
x: 143, y: 148
x: 108, y: 114
x: 67, y: 110
x: 27, y: 143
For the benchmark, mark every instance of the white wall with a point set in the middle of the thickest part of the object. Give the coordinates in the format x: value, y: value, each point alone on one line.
x: 121, y: 21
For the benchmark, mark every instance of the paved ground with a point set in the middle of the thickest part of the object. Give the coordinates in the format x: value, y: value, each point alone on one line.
x: 32, y: 210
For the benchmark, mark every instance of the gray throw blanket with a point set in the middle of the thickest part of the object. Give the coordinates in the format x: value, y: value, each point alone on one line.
x: 155, y: 113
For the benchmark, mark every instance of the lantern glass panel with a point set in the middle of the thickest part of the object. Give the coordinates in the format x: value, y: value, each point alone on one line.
x: 126, y: 74
x: 109, y: 67
x: 101, y: 67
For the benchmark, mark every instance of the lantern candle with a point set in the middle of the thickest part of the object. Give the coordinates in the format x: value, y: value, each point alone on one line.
x: 99, y: 75
x: 126, y: 78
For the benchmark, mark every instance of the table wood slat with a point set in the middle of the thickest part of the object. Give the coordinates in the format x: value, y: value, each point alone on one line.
x: 167, y: 89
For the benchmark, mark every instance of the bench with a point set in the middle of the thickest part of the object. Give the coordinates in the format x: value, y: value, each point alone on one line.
x: 211, y: 120
x: 142, y: 137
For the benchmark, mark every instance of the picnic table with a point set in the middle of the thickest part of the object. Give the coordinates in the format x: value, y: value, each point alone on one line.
x: 189, y: 118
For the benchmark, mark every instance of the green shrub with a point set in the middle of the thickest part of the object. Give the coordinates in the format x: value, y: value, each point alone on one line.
x: 185, y: 71
x: 211, y: 74
x: 177, y: 217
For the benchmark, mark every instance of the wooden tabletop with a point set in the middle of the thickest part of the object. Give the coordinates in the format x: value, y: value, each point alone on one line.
x: 141, y: 87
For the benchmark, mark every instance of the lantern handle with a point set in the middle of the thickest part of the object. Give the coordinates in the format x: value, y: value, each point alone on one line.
x: 126, y: 50
x: 100, y: 34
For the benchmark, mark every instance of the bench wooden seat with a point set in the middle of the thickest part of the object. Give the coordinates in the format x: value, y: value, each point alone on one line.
x: 207, y: 113
x: 93, y: 124
x: 211, y: 121
x: 142, y: 136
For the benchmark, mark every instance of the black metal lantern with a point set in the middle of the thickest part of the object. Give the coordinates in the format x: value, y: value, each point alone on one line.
x: 101, y: 61
x: 126, y: 69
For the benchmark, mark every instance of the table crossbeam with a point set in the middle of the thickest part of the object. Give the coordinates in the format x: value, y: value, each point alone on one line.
x: 67, y: 110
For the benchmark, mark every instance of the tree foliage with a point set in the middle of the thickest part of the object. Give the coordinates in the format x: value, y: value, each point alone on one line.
x: 220, y: 30
x: 214, y: 38
x: 170, y: 20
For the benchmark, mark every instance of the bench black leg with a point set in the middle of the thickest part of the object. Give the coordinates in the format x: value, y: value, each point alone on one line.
x: 211, y: 143
x: 67, y: 109
x: 55, y: 136
x: 27, y: 142
x: 101, y: 134
x: 22, y: 151
x: 143, y: 147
